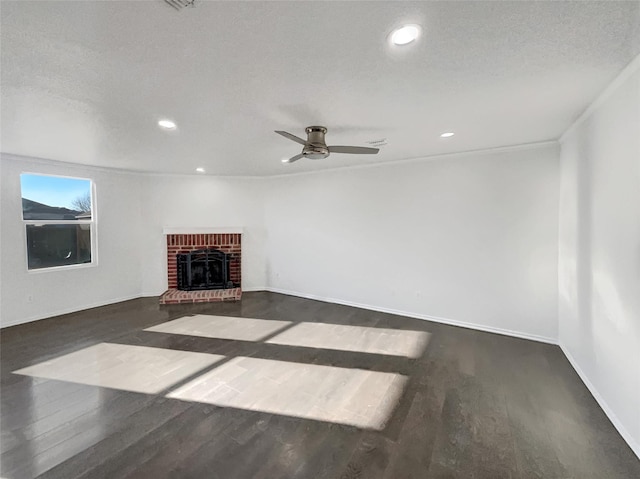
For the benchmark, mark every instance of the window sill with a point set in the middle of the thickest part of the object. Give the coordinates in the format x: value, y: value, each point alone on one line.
x: 66, y: 267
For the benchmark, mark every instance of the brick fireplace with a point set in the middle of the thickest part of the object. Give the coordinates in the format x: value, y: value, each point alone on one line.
x: 184, y: 242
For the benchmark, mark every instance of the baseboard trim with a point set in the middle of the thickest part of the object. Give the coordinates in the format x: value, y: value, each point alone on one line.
x: 148, y: 294
x: 635, y: 447
x: 75, y: 309
x: 152, y: 294
x: 409, y: 314
x: 254, y: 289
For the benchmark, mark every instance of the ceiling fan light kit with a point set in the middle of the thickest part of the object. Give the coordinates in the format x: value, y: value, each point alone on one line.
x: 315, y: 146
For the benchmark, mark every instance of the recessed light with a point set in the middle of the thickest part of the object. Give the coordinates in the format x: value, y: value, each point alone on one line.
x: 449, y: 134
x: 167, y: 124
x: 200, y: 170
x: 405, y: 34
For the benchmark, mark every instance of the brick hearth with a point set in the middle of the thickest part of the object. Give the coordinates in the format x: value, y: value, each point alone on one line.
x: 229, y: 243
x: 175, y: 296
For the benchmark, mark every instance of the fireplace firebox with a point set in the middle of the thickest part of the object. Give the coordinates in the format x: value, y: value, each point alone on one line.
x: 204, y: 269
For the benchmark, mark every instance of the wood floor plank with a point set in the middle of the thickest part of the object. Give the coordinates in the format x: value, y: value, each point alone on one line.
x: 92, y: 454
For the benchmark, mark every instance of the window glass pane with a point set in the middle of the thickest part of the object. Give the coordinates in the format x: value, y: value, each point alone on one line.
x: 55, y: 198
x: 58, y: 245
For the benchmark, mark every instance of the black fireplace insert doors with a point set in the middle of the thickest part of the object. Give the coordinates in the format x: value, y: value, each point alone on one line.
x: 204, y: 269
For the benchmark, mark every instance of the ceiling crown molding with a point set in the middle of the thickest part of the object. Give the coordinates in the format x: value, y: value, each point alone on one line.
x: 622, y: 77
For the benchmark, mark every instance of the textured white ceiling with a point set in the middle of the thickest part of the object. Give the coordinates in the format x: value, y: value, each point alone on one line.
x: 86, y: 82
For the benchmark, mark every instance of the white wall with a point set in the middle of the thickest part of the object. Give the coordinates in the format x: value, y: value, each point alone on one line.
x: 466, y: 238
x: 201, y: 201
x: 599, y: 253
x: 132, y: 210
x: 475, y: 227
x: 26, y: 296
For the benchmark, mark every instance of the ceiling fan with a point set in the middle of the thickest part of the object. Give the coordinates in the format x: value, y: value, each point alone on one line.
x: 315, y: 148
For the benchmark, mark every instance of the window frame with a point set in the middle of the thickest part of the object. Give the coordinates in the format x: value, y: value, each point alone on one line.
x: 93, y: 227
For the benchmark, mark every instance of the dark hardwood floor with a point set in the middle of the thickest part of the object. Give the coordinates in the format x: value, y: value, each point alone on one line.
x: 476, y: 405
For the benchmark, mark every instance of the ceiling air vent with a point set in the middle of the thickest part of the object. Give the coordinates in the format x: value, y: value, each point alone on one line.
x: 378, y: 143
x: 180, y: 4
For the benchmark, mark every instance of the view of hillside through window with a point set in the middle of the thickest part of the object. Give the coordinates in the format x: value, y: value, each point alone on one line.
x: 58, y: 215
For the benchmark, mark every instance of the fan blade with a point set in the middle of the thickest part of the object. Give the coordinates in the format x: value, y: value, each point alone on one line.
x: 291, y: 137
x: 294, y: 158
x: 356, y: 150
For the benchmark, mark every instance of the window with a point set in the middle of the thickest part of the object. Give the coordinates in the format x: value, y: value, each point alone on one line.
x: 59, y: 218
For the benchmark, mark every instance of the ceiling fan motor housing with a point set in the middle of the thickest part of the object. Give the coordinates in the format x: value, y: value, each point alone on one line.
x: 316, y: 148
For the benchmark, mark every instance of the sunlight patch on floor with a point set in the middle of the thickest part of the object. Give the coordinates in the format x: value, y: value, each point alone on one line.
x: 363, y: 339
x: 120, y: 366
x: 221, y: 327
x: 392, y: 342
x: 355, y: 397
